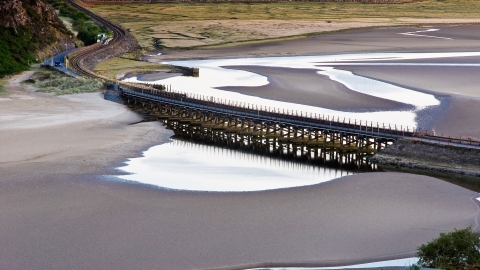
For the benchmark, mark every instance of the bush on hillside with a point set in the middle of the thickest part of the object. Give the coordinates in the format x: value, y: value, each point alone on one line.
x: 87, y: 29
x: 16, y: 50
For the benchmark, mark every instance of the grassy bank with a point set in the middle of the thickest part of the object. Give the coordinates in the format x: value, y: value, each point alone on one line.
x: 49, y: 81
x: 17, y: 49
x: 188, y: 25
x: 119, y: 66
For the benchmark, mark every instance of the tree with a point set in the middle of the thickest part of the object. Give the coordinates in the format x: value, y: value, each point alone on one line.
x: 459, y: 249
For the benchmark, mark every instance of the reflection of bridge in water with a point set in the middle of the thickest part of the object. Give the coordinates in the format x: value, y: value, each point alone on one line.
x: 283, y: 156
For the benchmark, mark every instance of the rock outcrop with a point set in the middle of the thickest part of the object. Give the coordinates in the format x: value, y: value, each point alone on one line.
x: 39, y: 19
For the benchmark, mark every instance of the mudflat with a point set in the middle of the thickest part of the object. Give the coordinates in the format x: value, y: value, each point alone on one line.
x: 56, y: 221
x: 59, y: 212
x: 460, y: 38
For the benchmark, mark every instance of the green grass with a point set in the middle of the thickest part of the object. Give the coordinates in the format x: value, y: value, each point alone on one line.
x: 116, y: 66
x: 60, y: 84
x: 194, y: 24
x: 3, y: 82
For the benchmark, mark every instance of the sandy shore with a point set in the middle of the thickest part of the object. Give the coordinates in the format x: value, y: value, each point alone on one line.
x: 59, y: 132
x: 57, y: 213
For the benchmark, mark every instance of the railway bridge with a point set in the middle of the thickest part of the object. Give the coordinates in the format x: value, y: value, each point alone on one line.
x: 270, y: 127
x: 198, y: 116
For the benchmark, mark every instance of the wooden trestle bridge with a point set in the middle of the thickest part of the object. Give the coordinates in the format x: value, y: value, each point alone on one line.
x: 206, y: 117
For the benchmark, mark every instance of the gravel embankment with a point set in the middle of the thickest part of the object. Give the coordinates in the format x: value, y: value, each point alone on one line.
x: 418, y: 155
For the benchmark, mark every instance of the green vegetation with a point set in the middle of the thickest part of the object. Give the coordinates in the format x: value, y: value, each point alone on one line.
x: 459, y: 249
x: 17, y: 47
x: 199, y: 24
x: 118, y: 66
x: 2, y: 86
x: 87, y: 30
x: 60, y: 84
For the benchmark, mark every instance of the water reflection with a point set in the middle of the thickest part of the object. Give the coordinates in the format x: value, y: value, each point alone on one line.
x: 186, y: 165
x: 379, y: 89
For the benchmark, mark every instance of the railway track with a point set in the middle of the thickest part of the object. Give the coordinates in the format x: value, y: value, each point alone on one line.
x: 78, y: 59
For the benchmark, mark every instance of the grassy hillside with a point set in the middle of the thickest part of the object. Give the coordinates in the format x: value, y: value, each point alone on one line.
x: 17, y: 49
x: 29, y: 30
x: 85, y: 29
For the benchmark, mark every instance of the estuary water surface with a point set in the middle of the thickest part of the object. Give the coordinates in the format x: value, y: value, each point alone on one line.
x: 187, y: 166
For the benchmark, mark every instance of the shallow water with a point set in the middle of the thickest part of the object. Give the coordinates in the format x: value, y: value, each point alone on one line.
x: 185, y: 165
x: 213, y: 76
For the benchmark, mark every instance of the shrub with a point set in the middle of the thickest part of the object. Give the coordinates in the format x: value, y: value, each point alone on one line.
x: 459, y: 249
x: 87, y: 29
x: 16, y: 49
x: 61, y: 84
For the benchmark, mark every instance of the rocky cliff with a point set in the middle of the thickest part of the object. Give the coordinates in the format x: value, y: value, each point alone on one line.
x: 30, y: 28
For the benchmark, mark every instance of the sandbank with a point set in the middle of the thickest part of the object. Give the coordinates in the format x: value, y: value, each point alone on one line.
x: 56, y: 221
x: 458, y: 86
x: 51, y: 130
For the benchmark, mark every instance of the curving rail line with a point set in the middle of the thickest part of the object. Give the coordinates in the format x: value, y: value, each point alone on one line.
x: 77, y: 59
